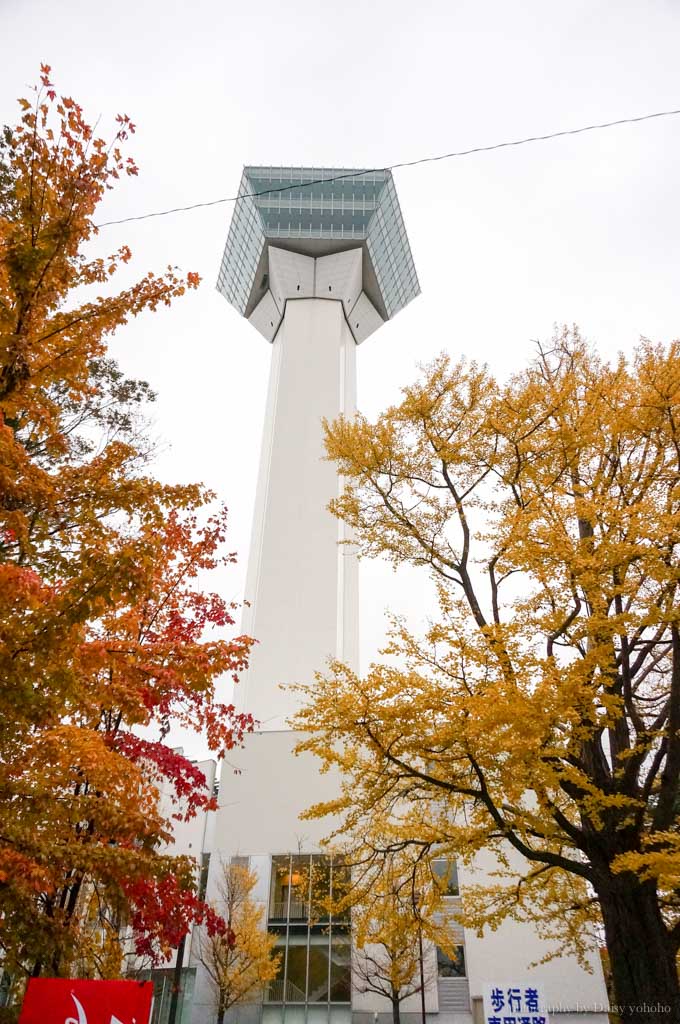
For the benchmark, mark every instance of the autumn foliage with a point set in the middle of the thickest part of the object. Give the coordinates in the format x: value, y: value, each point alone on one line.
x: 107, y: 636
x: 539, y: 714
x: 398, y: 912
x: 239, y: 961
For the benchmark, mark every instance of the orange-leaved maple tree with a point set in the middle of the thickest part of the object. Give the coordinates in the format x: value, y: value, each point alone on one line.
x: 107, y: 637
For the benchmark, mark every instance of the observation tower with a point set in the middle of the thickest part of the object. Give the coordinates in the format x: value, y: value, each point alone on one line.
x: 317, y: 259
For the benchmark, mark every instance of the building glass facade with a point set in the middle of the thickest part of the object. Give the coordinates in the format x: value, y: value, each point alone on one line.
x: 314, y: 981
x: 163, y: 979
x: 358, y: 208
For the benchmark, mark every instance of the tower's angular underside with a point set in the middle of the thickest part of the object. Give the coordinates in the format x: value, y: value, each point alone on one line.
x: 316, y: 212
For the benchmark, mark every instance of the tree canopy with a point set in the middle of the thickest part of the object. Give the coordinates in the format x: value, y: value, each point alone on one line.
x: 395, y: 918
x: 539, y: 715
x: 108, y: 636
x: 241, y: 962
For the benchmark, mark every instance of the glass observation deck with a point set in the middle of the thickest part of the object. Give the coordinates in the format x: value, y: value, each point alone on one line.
x: 318, y: 211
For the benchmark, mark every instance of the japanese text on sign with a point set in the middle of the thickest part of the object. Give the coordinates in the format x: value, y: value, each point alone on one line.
x: 514, y: 1003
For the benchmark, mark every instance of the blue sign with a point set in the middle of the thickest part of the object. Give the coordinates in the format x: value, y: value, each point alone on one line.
x: 514, y: 1002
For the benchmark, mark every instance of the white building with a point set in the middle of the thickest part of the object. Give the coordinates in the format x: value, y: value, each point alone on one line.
x: 317, y: 262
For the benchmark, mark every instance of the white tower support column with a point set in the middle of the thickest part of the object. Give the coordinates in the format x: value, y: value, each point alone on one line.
x: 302, y: 582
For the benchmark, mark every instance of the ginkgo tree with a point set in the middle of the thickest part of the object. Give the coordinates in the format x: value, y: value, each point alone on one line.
x: 108, y: 637
x: 240, y: 963
x: 398, y: 915
x: 539, y: 715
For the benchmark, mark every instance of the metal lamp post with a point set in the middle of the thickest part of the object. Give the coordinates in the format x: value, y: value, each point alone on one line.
x: 416, y: 911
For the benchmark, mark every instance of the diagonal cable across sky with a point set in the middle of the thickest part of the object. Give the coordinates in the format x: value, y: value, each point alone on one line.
x: 396, y: 166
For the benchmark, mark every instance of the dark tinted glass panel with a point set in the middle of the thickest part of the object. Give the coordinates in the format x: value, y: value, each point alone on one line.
x: 451, y: 967
x: 341, y: 886
x: 446, y: 874
x: 321, y: 888
x: 340, y: 991
x: 274, y: 991
x: 318, y: 969
x: 297, y: 881
x: 203, y: 877
x: 278, y: 891
x: 297, y: 969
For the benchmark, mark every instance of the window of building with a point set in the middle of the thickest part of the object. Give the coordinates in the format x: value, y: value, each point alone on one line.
x: 203, y: 876
x: 448, y: 967
x: 314, y: 971
x: 446, y: 874
x: 162, y: 994
x: 340, y: 965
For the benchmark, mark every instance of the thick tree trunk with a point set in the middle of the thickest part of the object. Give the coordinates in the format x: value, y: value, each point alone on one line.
x: 395, y: 1012
x: 641, y: 956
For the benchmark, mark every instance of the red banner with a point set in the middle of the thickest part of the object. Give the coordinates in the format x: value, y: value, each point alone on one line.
x: 74, y: 1001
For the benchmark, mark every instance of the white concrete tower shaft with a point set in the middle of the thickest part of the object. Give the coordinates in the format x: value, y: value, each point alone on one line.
x: 302, y: 584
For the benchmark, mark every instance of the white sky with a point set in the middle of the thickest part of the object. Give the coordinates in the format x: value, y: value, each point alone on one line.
x: 506, y: 244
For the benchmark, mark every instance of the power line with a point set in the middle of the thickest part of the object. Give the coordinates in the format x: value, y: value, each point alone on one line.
x: 394, y: 167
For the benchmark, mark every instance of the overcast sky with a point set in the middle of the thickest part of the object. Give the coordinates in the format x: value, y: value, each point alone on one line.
x: 583, y: 229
